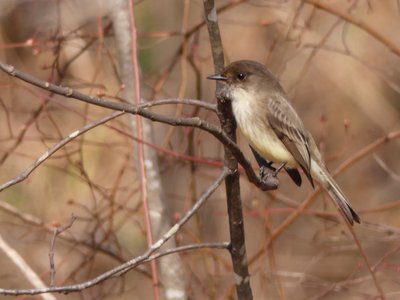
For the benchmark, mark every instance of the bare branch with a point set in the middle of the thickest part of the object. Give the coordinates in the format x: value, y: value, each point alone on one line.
x: 57, y: 232
x: 55, y: 148
x: 32, y: 277
x: 142, y: 110
x: 125, y: 267
x: 233, y: 197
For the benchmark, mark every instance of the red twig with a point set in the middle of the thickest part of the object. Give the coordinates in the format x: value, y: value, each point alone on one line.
x: 141, y: 148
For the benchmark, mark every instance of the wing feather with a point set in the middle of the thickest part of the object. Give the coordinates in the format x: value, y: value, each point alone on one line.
x: 289, y: 128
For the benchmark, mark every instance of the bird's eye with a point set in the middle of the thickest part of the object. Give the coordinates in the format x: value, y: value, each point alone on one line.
x: 241, y: 76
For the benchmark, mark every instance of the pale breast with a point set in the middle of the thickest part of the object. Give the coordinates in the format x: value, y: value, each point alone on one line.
x: 251, y: 119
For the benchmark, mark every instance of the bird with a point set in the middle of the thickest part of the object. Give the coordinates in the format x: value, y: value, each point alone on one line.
x: 274, y: 130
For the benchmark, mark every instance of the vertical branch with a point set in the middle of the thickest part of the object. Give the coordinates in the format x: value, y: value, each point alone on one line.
x: 236, y: 226
x: 140, y: 149
x: 171, y: 267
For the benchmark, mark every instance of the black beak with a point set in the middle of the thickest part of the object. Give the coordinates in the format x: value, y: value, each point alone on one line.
x: 218, y: 77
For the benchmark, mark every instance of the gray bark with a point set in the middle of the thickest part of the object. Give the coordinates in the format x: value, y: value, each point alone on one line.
x: 171, y: 268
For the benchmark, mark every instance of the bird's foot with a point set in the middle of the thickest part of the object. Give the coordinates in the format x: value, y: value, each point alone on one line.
x: 268, y: 178
x: 270, y: 171
x: 266, y: 171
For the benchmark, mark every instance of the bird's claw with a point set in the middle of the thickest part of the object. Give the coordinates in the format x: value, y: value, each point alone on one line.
x: 268, y: 178
x: 266, y: 172
x: 270, y: 171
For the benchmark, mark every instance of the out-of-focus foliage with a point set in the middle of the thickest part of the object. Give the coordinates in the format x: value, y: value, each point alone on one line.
x: 343, y: 80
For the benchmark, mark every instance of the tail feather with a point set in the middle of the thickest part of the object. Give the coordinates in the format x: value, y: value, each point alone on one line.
x: 335, y: 192
x: 322, y: 175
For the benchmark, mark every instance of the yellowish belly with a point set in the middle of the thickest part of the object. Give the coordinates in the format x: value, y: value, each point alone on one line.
x: 251, y: 120
x: 267, y: 144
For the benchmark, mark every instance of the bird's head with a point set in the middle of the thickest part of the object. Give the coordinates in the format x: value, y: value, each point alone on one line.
x: 245, y: 75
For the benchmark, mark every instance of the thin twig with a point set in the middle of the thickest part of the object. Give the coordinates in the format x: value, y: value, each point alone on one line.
x: 183, y: 65
x: 22, y: 176
x: 140, y: 148
x: 342, y: 167
x: 57, y: 232
x: 366, y: 259
x: 142, y: 110
x: 223, y: 245
x: 25, y: 269
x: 385, y: 167
x: 133, y: 263
x: 357, y: 22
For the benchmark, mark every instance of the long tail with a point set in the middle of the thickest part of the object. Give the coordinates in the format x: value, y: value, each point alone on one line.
x: 323, y: 176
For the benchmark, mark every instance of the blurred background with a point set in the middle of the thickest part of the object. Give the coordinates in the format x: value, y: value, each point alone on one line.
x: 339, y: 63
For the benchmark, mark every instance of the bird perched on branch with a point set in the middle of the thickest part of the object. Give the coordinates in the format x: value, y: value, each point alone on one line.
x: 274, y: 130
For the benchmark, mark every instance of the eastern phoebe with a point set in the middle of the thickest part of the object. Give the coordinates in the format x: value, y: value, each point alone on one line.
x: 273, y: 128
